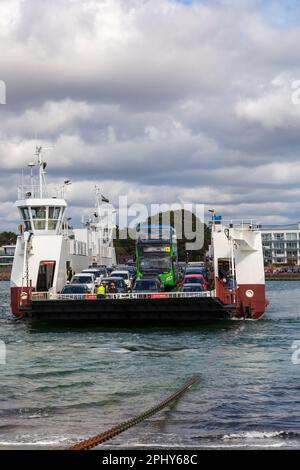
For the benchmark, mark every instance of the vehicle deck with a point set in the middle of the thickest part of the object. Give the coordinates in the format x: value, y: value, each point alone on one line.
x: 159, y: 308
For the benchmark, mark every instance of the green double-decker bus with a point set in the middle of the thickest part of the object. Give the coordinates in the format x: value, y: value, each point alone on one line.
x: 156, y: 253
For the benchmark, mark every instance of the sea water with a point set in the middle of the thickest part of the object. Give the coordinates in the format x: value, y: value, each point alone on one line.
x: 64, y: 383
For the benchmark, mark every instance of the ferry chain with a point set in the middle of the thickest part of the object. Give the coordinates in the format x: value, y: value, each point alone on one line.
x: 116, y: 430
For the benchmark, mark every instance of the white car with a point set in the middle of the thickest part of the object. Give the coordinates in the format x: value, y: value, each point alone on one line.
x: 124, y: 275
x: 85, y: 278
x: 99, y: 273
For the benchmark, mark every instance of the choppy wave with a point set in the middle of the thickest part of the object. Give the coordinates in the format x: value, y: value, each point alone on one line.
x: 250, y: 436
x: 29, y: 440
x: 262, y: 435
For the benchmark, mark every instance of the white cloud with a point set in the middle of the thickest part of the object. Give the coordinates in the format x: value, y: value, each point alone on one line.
x: 152, y: 98
x: 273, y: 108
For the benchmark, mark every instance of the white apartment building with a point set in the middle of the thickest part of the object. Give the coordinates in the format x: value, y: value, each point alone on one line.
x: 281, y: 245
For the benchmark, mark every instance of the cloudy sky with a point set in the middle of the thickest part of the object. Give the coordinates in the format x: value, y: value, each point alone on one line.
x: 160, y: 100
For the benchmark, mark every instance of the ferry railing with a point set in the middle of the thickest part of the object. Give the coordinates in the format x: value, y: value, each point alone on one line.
x: 159, y: 295
x: 244, y: 224
x: 34, y: 192
x: 225, y: 294
x: 41, y: 296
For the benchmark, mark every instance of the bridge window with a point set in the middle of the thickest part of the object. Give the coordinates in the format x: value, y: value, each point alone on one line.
x: 39, y: 217
x: 25, y: 213
x: 26, y: 217
x: 39, y: 224
x: 53, y: 217
x: 54, y: 212
x: 38, y: 212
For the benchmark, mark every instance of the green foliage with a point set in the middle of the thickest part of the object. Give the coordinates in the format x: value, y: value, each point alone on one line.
x: 124, y: 245
x: 8, y: 238
x: 125, y: 248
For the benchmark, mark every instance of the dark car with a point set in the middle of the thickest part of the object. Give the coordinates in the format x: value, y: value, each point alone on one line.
x: 119, y: 283
x: 145, y: 285
x: 75, y: 289
x: 192, y: 288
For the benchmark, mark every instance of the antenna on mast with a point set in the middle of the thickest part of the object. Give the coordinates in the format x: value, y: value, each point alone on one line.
x: 42, y: 166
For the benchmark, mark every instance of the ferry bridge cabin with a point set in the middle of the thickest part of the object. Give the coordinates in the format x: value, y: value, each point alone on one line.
x: 46, y: 246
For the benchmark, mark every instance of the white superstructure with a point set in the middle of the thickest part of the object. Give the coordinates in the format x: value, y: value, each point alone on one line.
x: 47, y: 246
x: 238, y: 266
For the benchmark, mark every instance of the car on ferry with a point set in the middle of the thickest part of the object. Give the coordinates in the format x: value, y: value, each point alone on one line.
x: 73, y: 289
x: 194, y: 279
x: 124, y: 274
x: 119, y: 283
x: 148, y: 285
x: 109, y: 270
x: 196, y: 270
x: 88, y: 279
x: 99, y: 273
x: 197, y: 287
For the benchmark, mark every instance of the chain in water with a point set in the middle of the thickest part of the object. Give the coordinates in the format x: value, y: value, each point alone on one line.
x: 106, y: 435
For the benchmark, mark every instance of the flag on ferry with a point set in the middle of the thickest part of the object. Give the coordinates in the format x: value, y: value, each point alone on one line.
x: 104, y: 199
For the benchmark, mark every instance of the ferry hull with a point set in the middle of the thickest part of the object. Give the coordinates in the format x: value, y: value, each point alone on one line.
x: 19, y: 298
x: 128, y: 312
x: 252, y: 300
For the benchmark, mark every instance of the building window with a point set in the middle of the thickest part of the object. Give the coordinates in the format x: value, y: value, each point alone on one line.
x: 278, y: 236
x: 278, y: 245
x: 268, y: 254
x: 267, y: 245
x: 292, y: 254
x: 266, y: 236
x: 291, y: 236
x: 293, y: 245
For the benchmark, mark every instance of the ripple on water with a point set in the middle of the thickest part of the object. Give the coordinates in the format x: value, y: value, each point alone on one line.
x: 74, y: 382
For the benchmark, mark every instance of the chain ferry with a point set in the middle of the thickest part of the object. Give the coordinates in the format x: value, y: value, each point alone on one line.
x: 47, y: 247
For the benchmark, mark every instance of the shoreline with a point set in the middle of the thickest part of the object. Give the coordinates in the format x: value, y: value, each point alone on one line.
x: 282, y: 277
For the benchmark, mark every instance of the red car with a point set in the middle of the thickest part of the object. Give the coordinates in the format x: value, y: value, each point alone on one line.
x: 269, y: 270
x: 194, y: 279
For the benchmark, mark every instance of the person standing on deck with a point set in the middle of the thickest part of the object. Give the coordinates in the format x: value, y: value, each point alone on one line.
x: 101, y: 291
x: 113, y: 288
x: 70, y: 273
